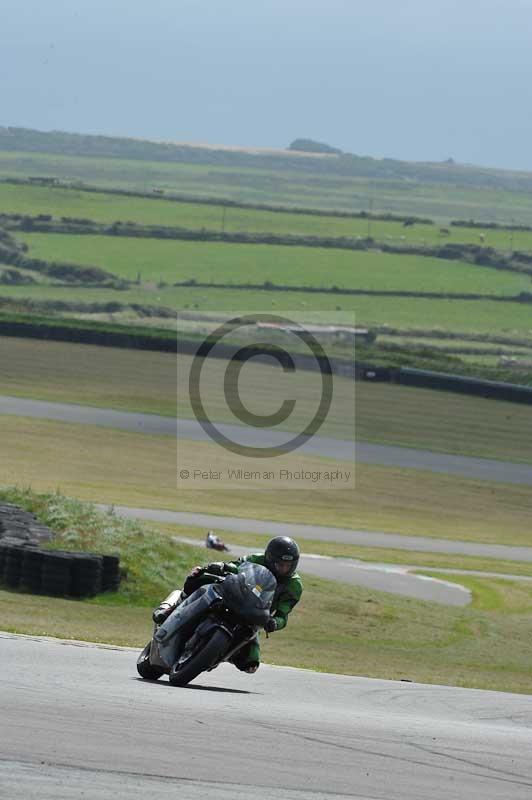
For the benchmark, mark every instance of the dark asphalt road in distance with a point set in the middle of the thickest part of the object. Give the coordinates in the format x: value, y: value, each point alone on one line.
x: 380, y: 577
x: 327, y: 533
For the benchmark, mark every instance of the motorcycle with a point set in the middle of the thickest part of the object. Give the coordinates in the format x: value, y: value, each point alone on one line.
x: 214, y: 542
x: 210, y: 626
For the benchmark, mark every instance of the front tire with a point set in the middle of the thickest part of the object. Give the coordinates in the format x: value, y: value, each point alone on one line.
x: 145, y: 669
x: 199, y: 661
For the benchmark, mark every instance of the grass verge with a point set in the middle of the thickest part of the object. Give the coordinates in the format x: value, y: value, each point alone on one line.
x: 496, y: 595
x: 107, y: 466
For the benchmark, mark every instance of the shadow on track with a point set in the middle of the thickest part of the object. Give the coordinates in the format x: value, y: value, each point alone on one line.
x: 196, y: 686
x: 217, y: 689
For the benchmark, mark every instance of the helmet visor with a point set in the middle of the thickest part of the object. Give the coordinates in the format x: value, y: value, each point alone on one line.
x: 284, y: 568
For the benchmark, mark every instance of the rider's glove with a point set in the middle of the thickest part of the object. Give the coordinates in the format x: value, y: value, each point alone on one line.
x: 270, y: 625
x: 196, y: 572
x: 216, y: 568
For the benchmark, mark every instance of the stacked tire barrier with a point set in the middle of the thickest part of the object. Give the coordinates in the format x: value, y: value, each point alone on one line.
x: 56, y: 572
x: 31, y: 578
x: 60, y: 573
x: 22, y: 525
x: 13, y: 555
x: 111, y: 573
x: 86, y: 571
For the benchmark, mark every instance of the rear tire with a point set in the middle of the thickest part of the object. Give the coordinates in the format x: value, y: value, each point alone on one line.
x: 145, y: 669
x: 199, y: 661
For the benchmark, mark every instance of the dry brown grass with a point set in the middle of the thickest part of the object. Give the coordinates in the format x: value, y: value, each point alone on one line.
x: 139, y: 470
x: 143, y: 381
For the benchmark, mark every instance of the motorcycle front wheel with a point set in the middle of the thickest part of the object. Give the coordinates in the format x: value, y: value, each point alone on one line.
x: 145, y: 669
x: 200, y: 660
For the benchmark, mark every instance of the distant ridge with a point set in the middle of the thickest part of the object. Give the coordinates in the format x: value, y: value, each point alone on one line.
x: 15, y: 139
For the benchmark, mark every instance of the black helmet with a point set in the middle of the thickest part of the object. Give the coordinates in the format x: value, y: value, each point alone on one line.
x: 282, y: 556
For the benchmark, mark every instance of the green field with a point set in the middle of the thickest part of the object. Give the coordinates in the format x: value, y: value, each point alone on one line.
x: 283, y: 186
x: 154, y: 265
x: 101, y: 207
x: 213, y: 262
x: 477, y: 353
x: 465, y: 316
x: 158, y: 262
x: 457, y: 345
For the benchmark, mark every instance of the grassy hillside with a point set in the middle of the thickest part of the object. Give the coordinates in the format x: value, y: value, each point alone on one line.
x: 345, y: 164
x: 277, y: 277
x: 158, y: 264
x: 283, y: 186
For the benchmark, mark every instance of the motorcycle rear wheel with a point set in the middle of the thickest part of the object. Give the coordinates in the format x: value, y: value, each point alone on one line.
x: 200, y: 660
x: 145, y: 669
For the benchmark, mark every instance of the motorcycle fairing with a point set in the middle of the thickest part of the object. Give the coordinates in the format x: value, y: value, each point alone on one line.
x: 170, y: 635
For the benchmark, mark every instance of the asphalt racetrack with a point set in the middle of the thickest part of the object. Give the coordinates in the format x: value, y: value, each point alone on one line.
x: 77, y: 722
x: 327, y: 533
x: 386, y: 455
x: 382, y: 577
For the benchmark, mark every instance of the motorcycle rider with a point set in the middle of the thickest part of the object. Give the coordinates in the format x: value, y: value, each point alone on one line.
x: 281, y: 557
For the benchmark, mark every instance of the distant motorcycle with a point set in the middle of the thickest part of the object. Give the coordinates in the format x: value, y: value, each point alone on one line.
x: 214, y: 542
x: 210, y: 626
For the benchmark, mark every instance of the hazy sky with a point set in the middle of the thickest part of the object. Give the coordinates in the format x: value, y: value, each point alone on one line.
x: 413, y: 80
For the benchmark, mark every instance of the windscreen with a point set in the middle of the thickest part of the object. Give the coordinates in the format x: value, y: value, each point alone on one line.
x: 259, y: 581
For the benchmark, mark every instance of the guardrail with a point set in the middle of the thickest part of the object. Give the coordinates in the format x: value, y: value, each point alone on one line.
x: 408, y: 376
